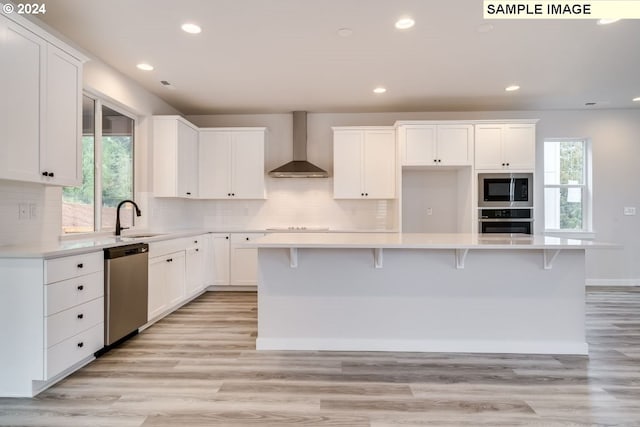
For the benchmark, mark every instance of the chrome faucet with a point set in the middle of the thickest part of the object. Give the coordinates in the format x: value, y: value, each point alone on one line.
x: 138, y: 213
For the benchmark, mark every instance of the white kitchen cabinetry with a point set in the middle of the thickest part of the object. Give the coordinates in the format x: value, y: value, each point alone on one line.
x: 40, y: 106
x: 364, y: 163
x: 505, y: 147
x: 51, y: 319
x: 221, y: 259
x: 175, y: 157
x: 166, y: 282
x: 232, y: 163
x: 199, y: 266
x: 235, y: 265
x: 244, y: 261
x: 436, y: 144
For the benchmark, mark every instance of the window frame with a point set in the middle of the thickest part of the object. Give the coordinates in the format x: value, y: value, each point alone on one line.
x: 99, y: 102
x: 587, y: 190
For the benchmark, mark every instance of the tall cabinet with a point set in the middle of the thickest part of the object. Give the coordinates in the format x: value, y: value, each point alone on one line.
x: 40, y: 106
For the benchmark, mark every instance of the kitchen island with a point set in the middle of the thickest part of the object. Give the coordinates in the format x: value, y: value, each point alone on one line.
x: 422, y: 292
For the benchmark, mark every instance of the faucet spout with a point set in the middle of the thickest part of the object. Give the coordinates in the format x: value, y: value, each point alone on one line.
x: 138, y: 213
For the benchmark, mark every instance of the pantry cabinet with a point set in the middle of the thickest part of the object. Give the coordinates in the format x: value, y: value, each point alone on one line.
x: 40, y: 109
x: 175, y: 157
x: 364, y: 163
x: 232, y: 163
x: 436, y: 144
x: 505, y: 147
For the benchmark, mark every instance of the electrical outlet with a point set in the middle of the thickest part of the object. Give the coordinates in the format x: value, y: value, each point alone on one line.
x: 33, y: 211
x: 629, y: 210
x: 429, y: 211
x: 23, y: 211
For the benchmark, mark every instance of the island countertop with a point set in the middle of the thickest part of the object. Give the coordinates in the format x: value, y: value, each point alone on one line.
x: 421, y: 241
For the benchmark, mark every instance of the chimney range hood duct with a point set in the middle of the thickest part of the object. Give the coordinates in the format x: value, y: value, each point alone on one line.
x: 299, y: 167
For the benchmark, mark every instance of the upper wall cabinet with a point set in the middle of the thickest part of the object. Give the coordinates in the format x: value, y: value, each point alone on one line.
x: 505, y: 147
x: 436, y: 144
x: 364, y: 163
x: 40, y: 106
x: 175, y: 157
x: 232, y: 163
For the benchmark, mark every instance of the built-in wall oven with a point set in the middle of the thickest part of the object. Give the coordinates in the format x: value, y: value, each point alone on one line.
x: 506, y: 220
x: 504, y: 190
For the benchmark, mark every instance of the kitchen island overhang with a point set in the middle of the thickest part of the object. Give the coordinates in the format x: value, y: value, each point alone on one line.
x: 422, y: 292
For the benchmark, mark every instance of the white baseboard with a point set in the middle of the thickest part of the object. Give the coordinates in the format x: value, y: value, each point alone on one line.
x: 437, y: 346
x: 613, y: 282
x: 233, y: 288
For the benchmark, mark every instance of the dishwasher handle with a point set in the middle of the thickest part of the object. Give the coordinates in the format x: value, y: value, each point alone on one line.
x: 127, y: 250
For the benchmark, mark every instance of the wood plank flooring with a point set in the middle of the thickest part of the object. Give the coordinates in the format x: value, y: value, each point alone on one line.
x: 199, y: 367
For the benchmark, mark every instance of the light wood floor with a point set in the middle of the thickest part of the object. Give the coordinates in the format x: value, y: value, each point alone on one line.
x: 199, y: 367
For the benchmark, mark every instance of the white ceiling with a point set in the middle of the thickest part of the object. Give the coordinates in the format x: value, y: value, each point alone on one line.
x: 258, y: 56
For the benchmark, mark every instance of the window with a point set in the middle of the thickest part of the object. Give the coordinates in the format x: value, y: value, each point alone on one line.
x: 567, y: 185
x: 107, y: 171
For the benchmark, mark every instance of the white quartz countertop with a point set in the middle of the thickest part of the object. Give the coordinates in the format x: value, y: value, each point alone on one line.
x: 421, y: 241
x: 54, y: 249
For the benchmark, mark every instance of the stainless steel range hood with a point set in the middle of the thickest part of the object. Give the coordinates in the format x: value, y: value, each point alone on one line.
x: 299, y: 167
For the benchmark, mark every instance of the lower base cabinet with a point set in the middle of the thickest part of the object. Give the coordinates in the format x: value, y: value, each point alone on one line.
x: 166, y: 282
x: 235, y: 265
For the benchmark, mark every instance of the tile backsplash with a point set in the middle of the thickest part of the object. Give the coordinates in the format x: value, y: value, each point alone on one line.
x: 42, y: 222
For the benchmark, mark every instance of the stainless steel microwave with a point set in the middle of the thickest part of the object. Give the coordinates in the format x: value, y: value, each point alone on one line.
x: 505, y: 190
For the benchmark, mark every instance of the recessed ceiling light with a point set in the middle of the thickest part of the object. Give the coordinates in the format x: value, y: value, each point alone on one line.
x: 379, y: 89
x: 405, y: 23
x: 636, y: 99
x: 144, y: 67
x: 191, y: 28
x: 345, y: 32
x: 607, y: 21
x: 512, y: 88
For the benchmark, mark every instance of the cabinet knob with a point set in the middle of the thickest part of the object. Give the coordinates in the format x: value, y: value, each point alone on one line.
x: 229, y: 194
x: 80, y: 344
x: 169, y: 259
x: 233, y: 194
x: 80, y: 316
x: 197, y: 250
x: 195, y: 241
x: 362, y: 194
x: 188, y: 193
x: 366, y: 194
x: 247, y: 238
x: 80, y: 287
x: 51, y: 174
x: 45, y: 173
x: 81, y: 265
x: 507, y: 164
x: 435, y: 160
x: 439, y: 160
x: 226, y: 237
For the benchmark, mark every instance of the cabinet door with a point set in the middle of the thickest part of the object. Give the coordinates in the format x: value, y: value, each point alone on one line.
x: 455, y: 144
x: 244, y: 261
x: 247, y: 171
x: 22, y: 56
x: 215, y: 165
x: 187, y: 161
x: 488, y: 142
x: 60, y: 148
x: 519, y: 146
x: 379, y: 164
x: 157, y: 299
x: 176, y: 278
x: 419, y: 146
x: 194, y: 271
x: 347, y: 165
x: 220, y: 259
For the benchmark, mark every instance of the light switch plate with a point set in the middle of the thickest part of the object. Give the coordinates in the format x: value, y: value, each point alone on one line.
x: 33, y: 211
x: 629, y: 210
x: 23, y: 211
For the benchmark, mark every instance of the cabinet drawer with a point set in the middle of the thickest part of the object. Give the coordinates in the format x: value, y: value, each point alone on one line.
x: 70, y: 293
x: 72, y: 321
x: 165, y: 247
x: 59, y: 269
x: 72, y: 350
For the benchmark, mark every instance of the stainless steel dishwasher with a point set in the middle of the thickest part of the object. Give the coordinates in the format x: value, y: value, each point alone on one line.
x: 125, y: 290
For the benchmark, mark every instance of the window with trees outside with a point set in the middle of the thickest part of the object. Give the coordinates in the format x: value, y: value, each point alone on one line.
x: 567, y: 185
x: 107, y: 171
